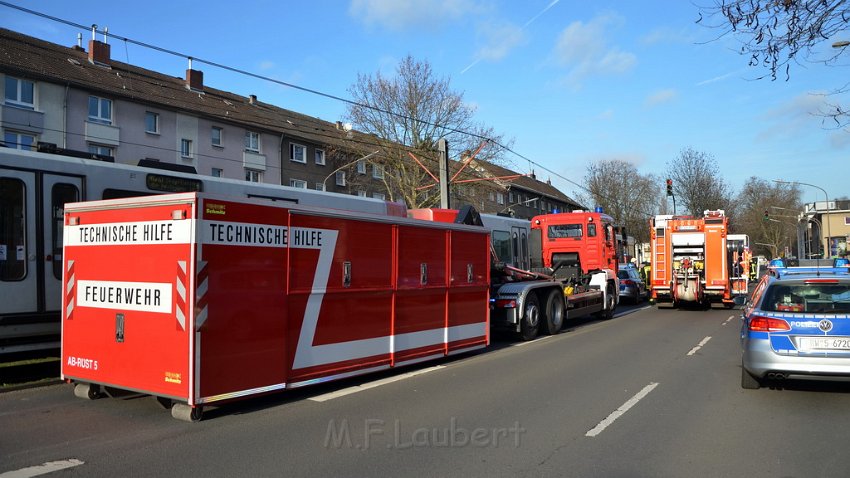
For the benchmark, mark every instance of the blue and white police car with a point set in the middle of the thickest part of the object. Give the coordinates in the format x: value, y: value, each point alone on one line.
x: 796, y: 324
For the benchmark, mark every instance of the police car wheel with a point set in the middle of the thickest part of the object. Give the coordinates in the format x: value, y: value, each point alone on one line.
x: 749, y: 382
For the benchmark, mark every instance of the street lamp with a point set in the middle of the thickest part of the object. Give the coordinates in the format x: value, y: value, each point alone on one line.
x: 827, y: 249
x: 324, y: 187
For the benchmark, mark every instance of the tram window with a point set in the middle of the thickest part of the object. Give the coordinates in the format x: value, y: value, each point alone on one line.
x: 502, y: 245
x: 62, y: 193
x: 13, y: 264
x: 123, y: 193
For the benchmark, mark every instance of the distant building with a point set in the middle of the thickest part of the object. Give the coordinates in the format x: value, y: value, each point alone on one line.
x: 823, y: 223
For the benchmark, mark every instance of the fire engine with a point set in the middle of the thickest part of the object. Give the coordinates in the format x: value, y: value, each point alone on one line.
x: 555, y: 267
x: 691, y: 262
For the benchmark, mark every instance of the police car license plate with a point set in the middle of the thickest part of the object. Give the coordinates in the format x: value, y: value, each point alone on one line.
x: 823, y: 343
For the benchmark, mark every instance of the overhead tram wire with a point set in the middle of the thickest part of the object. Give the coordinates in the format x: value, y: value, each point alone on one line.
x: 290, y: 85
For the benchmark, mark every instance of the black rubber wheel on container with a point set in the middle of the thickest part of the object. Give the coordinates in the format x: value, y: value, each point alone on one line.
x: 554, y: 313
x: 530, y: 323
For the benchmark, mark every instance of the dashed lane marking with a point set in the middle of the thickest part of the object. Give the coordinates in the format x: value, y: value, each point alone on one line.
x: 620, y: 411
x: 42, y: 469
x: 699, y: 346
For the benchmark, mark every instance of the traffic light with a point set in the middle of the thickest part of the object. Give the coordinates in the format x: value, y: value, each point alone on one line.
x: 766, y: 215
x: 669, y: 187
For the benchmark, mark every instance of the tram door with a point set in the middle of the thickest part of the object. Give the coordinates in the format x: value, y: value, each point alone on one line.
x: 31, y: 209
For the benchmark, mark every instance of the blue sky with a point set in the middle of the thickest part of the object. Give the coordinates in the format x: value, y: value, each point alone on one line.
x: 571, y: 82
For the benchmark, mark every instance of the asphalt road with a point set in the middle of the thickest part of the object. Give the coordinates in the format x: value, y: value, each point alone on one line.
x: 649, y: 393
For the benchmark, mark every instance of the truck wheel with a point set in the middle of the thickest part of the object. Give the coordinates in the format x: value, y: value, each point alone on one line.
x: 531, y: 318
x: 610, y: 302
x: 186, y: 413
x: 749, y: 382
x: 554, y: 319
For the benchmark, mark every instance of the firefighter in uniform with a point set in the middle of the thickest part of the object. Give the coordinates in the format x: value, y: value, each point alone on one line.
x: 645, y: 273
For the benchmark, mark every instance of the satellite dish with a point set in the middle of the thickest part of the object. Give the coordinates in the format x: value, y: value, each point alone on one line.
x: 346, y: 127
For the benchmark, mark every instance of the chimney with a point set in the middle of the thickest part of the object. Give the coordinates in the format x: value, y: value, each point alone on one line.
x: 194, y: 78
x: 252, y: 99
x: 98, y: 51
x: 79, y: 45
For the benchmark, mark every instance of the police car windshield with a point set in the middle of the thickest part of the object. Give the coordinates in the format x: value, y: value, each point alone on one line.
x: 813, y: 298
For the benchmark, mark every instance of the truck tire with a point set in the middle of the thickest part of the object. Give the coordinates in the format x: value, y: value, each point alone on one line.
x: 607, y: 312
x: 553, y: 319
x: 530, y: 323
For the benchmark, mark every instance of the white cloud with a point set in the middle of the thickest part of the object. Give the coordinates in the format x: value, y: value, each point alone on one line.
x: 793, y: 116
x: 583, y: 49
x: 660, y: 97
x: 606, y: 115
x: 399, y: 15
x: 266, y: 65
x: 499, y: 40
x: 667, y: 35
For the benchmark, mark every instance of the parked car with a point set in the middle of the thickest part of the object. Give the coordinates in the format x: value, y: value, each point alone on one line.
x: 631, y: 285
x: 796, y: 324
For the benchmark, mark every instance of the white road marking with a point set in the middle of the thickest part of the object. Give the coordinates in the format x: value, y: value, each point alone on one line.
x: 620, y: 411
x: 366, y: 386
x: 727, y: 320
x: 538, y: 339
x: 631, y: 311
x: 704, y: 341
x: 42, y: 469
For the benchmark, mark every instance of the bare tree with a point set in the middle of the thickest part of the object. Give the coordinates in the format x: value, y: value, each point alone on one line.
x: 624, y: 194
x: 777, y: 33
x: 697, y: 183
x: 767, y: 214
x: 406, y: 115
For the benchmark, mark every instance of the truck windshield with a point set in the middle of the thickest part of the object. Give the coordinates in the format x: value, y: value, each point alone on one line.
x: 564, y: 230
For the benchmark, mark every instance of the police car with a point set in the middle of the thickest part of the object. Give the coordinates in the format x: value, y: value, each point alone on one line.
x: 796, y: 324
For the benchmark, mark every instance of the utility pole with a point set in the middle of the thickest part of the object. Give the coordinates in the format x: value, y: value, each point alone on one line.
x: 443, y: 150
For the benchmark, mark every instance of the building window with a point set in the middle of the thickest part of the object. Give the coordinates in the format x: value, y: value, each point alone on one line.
x: 340, y: 178
x: 20, y: 93
x: 500, y: 198
x: 511, y: 198
x: 361, y: 167
x: 297, y: 153
x: 377, y: 171
x: 100, y: 110
x: 492, y: 196
x: 253, y: 176
x: 380, y: 196
x: 217, y: 172
x: 15, y: 140
x: 297, y: 183
x: 320, y: 186
x: 320, y: 157
x: 361, y: 194
x: 185, y: 148
x: 151, y: 122
x: 100, y: 149
x: 215, y: 135
x: 252, y: 141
